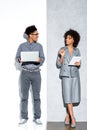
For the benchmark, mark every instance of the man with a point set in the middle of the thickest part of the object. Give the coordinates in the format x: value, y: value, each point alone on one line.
x: 30, y: 74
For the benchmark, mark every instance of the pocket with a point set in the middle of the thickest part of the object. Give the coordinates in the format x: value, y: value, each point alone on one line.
x: 75, y: 69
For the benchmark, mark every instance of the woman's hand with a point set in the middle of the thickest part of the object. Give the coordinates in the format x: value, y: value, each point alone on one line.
x: 77, y: 63
x: 62, y: 52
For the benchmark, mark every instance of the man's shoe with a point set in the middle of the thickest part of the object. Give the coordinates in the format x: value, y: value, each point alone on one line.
x: 37, y: 121
x: 22, y: 121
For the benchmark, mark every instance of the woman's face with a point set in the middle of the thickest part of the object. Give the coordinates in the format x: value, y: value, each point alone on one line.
x: 69, y: 40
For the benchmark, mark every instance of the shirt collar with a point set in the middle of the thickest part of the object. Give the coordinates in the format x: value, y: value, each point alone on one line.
x: 30, y: 43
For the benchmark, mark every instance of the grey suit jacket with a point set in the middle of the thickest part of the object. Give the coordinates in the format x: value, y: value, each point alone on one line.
x: 65, y: 69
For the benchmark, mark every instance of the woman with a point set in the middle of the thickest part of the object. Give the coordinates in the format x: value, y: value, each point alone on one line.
x: 69, y: 74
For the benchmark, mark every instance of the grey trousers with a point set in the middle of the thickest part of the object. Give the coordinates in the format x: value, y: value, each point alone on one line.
x: 27, y: 78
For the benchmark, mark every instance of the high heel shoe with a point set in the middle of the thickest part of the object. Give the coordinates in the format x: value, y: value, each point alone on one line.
x: 73, y: 125
x: 67, y: 122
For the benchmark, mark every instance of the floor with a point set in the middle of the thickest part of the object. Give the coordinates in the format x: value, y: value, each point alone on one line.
x: 30, y: 125
x: 61, y: 126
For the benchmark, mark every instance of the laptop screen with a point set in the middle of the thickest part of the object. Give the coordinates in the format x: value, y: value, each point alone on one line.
x: 29, y: 56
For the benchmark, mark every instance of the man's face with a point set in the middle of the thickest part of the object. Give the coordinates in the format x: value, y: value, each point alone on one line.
x: 34, y: 36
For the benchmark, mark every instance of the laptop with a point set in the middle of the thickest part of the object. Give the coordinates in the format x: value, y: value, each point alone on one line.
x: 29, y: 56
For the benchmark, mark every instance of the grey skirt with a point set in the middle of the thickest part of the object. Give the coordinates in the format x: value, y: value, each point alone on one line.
x: 71, y: 90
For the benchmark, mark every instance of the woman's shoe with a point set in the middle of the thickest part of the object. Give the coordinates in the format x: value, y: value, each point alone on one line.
x: 73, y: 125
x: 67, y: 123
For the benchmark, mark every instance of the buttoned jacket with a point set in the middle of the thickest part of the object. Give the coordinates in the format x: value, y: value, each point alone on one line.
x: 65, y: 68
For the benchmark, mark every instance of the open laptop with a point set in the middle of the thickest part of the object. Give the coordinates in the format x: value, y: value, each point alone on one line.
x: 29, y: 56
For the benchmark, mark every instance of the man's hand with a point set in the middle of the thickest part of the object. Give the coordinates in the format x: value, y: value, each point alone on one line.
x: 39, y: 60
x: 19, y: 60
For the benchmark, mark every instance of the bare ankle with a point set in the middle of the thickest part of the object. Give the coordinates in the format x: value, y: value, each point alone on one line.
x: 72, y: 117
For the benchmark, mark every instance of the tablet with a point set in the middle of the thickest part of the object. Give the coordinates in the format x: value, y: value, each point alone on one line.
x: 75, y: 59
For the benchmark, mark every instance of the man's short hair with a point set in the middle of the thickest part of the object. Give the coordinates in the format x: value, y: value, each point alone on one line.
x: 30, y: 29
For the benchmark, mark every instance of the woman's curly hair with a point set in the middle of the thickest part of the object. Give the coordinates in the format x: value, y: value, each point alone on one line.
x: 73, y: 34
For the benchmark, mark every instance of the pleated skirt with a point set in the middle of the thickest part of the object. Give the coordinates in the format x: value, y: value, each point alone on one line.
x: 71, y: 90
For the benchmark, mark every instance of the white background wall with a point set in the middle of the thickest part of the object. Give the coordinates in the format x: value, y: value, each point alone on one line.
x: 61, y: 16
x: 15, y: 16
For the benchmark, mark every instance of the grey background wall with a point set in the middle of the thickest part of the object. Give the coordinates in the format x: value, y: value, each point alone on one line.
x: 61, y: 16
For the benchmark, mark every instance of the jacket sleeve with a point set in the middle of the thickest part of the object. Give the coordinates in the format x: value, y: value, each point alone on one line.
x: 41, y: 55
x: 79, y: 54
x: 17, y: 57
